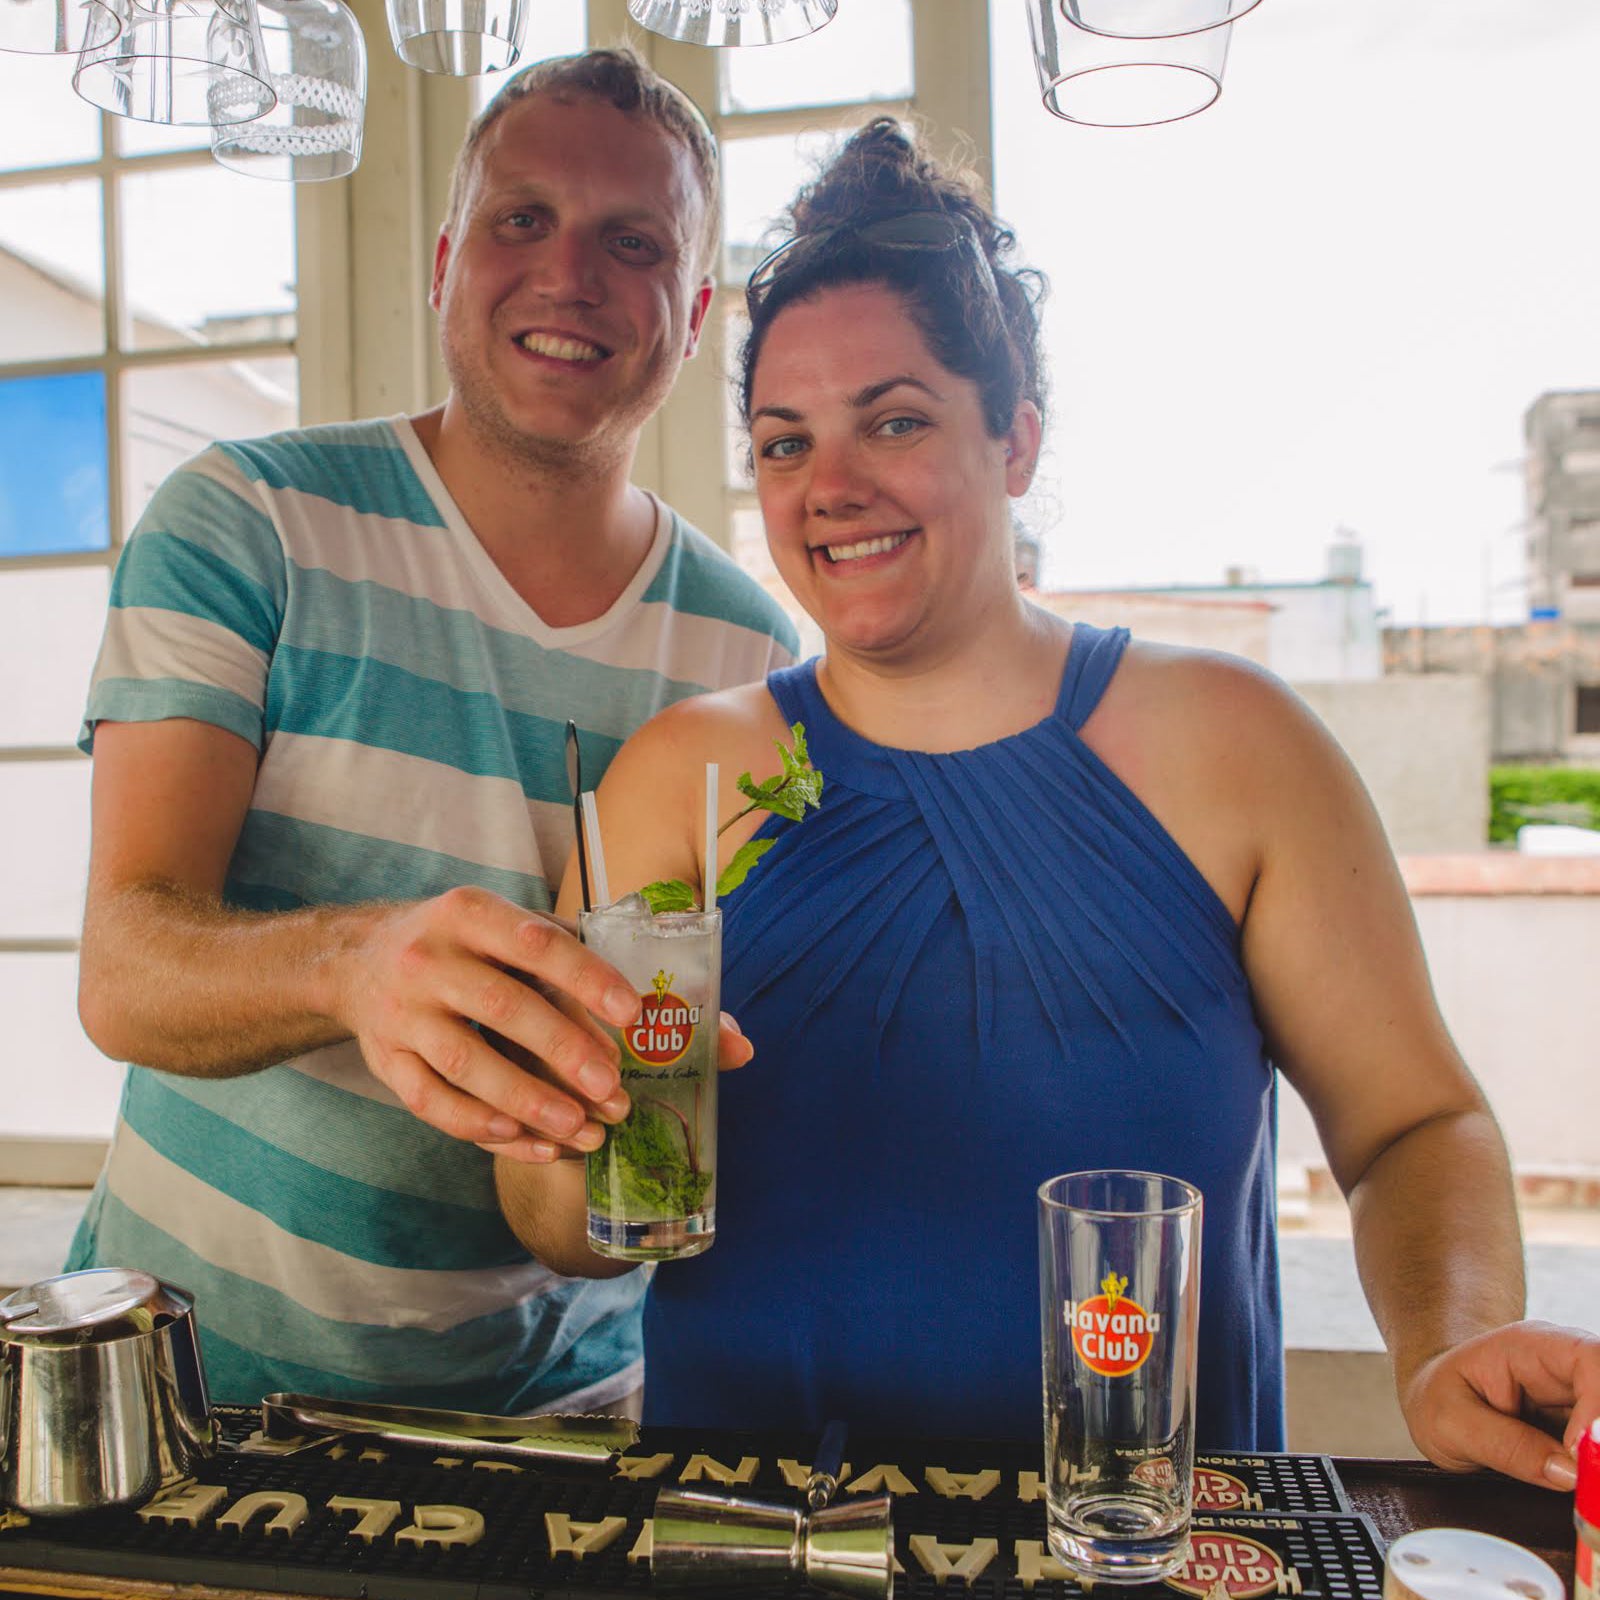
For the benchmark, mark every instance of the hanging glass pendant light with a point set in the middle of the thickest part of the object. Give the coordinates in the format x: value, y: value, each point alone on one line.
x: 318, y: 62
x: 460, y: 37
x: 732, y: 22
x: 45, y: 27
x: 165, y: 60
x: 1124, y: 83
x: 1153, y: 19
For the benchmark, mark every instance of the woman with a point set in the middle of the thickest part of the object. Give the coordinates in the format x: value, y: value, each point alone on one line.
x: 1068, y: 902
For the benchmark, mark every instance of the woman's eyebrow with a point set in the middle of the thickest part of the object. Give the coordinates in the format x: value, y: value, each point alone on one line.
x: 876, y: 391
x: 779, y: 413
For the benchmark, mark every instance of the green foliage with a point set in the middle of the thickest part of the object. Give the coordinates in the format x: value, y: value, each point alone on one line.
x: 648, y: 1155
x: 745, y: 857
x: 1519, y: 795
x: 669, y: 894
x: 790, y: 793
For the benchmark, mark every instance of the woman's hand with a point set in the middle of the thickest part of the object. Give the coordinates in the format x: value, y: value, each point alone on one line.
x: 1495, y: 1401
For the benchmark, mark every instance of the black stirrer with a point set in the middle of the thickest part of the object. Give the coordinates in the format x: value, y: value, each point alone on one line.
x: 575, y: 782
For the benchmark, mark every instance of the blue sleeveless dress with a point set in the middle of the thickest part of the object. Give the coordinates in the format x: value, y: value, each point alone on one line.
x: 963, y: 975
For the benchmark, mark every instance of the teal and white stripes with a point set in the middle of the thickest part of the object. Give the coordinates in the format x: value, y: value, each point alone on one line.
x: 318, y: 594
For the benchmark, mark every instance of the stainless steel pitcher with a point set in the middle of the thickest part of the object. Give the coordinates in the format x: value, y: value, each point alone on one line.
x: 102, y: 1395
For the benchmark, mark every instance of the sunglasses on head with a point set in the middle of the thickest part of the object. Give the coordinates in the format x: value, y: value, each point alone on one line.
x: 908, y: 230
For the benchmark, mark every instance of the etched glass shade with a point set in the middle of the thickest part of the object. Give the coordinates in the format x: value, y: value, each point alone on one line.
x: 459, y: 37
x: 1153, y: 19
x: 318, y: 62
x: 166, y: 60
x: 47, y: 27
x: 732, y: 22
x: 1101, y: 82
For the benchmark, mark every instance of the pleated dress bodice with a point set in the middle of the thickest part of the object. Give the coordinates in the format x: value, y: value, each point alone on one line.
x: 965, y: 974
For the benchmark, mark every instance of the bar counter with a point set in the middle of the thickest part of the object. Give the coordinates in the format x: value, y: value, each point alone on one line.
x: 351, y: 1522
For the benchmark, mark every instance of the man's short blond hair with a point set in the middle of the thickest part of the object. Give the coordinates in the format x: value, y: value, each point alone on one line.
x: 618, y: 78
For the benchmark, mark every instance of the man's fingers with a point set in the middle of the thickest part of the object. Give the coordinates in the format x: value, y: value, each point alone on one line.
x: 465, y: 1064
x: 543, y: 949
x: 418, y: 1088
x: 575, y: 1054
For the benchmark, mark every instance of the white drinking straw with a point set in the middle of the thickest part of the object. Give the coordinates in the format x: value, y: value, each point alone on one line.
x: 711, y: 836
x: 597, y: 854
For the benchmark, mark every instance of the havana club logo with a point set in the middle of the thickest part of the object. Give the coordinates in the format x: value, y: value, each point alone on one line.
x: 1225, y: 1566
x: 1221, y: 1491
x: 1112, y: 1334
x: 666, y: 1025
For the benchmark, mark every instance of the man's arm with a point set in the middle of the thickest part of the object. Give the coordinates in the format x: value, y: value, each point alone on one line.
x: 1342, y: 989
x: 172, y: 978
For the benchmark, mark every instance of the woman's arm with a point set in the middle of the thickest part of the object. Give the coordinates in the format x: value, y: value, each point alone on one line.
x: 651, y: 807
x: 1342, y: 991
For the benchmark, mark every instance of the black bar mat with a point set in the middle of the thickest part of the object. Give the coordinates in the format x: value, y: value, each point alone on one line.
x: 404, y: 1524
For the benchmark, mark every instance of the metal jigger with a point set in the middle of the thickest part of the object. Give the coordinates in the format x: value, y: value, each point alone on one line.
x: 705, y: 1540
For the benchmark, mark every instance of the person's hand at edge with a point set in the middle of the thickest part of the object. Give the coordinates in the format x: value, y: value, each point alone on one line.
x: 430, y: 987
x: 1481, y: 1403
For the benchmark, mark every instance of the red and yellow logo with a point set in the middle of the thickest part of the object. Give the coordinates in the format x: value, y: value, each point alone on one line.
x: 666, y: 1025
x: 1215, y: 1490
x: 1112, y: 1334
x: 1224, y: 1566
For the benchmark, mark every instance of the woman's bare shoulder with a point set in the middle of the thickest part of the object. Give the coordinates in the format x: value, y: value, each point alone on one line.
x: 1200, y: 695
x: 710, y: 727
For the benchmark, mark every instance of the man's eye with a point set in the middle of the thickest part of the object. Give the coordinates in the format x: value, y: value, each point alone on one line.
x: 635, y: 246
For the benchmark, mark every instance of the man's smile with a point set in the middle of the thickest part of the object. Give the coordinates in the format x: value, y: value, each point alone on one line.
x: 561, y: 346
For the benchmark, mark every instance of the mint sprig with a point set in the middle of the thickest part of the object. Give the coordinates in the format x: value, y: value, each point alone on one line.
x: 790, y: 793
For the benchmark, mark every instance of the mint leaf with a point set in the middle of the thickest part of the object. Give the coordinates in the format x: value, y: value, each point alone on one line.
x: 744, y: 858
x: 669, y: 894
x: 790, y: 793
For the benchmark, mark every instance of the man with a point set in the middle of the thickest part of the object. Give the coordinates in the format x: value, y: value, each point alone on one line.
x: 330, y: 797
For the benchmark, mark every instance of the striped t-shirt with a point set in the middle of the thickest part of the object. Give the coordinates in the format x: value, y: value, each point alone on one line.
x: 319, y: 594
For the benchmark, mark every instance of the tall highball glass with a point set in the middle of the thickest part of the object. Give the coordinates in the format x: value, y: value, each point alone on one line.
x: 1119, y: 1299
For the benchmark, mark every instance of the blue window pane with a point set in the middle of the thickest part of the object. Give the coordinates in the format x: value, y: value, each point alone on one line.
x: 54, y: 481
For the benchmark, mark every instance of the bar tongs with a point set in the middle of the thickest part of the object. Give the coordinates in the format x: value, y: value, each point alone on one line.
x: 555, y: 1440
x: 703, y: 1540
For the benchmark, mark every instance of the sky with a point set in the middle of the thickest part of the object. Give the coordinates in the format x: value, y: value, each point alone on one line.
x: 1326, y: 302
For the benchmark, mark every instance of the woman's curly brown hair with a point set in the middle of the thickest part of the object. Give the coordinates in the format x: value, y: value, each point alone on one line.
x: 880, y: 173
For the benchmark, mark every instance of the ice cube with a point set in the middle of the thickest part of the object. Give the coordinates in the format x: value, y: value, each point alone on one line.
x: 632, y: 906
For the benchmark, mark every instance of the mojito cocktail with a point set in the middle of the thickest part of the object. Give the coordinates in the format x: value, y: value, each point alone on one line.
x: 652, y: 1187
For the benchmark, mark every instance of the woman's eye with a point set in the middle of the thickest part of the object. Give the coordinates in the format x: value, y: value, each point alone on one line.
x: 782, y: 449
x: 901, y: 427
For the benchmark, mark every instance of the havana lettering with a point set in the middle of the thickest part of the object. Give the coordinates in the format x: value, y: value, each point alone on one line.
x: 1034, y: 1565
x: 1030, y: 1487
x: 882, y: 1479
x: 797, y: 1476
x: 637, y: 1468
x: 962, y: 1485
x: 1134, y: 1321
x: 964, y: 1561
x: 578, y: 1539
x: 698, y: 1467
x: 644, y: 1546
